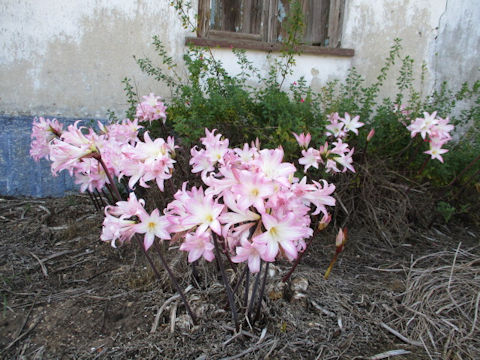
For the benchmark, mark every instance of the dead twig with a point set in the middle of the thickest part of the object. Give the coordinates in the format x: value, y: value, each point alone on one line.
x: 400, y: 336
x: 42, y: 266
x: 322, y: 309
x: 35, y: 323
x: 173, y: 317
x: 163, y: 307
x: 249, y: 350
x: 388, y: 354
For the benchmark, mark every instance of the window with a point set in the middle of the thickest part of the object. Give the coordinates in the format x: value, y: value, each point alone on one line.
x: 257, y: 24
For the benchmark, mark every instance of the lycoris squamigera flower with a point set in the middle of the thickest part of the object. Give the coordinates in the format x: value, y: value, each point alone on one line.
x: 151, y: 108
x: 43, y: 132
x: 302, y: 139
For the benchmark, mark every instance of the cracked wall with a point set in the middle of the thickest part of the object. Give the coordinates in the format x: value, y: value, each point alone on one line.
x: 443, y: 34
x: 68, y: 58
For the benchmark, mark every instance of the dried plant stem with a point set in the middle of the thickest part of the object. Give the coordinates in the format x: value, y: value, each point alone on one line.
x: 174, y: 281
x: 226, y: 283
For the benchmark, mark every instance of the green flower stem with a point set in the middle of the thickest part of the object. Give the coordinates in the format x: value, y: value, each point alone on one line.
x: 101, y: 198
x: 247, y: 284
x: 240, y: 280
x: 423, y: 166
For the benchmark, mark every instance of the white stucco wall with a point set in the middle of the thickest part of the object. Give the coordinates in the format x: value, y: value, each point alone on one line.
x: 443, y: 33
x: 68, y: 57
x: 455, y: 54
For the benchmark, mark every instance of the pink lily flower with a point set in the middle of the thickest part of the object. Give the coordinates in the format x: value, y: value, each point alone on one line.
x: 311, y: 157
x: 43, y: 132
x: 303, y: 140
x: 282, y: 234
x: 436, y: 150
x: 152, y: 226
x: 351, y: 124
x: 249, y: 252
x: 198, y: 244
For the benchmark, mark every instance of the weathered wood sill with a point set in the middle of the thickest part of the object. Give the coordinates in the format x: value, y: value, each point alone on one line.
x: 264, y: 46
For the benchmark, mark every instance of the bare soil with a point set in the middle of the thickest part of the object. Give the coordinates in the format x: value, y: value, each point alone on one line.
x: 67, y: 295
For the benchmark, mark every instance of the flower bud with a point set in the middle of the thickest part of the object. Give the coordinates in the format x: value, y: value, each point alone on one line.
x: 370, y: 135
x: 341, y: 239
x: 324, y: 222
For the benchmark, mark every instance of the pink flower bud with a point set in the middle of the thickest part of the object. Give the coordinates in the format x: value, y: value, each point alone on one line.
x: 341, y: 239
x: 370, y: 135
x: 324, y: 222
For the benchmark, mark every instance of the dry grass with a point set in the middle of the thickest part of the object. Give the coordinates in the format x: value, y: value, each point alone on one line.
x: 382, y: 201
x: 56, y: 274
x: 439, y: 308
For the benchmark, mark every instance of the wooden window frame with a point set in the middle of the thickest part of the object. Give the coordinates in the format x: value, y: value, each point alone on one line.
x: 265, y: 40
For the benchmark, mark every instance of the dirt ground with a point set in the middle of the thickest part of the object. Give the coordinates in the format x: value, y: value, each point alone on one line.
x: 67, y: 295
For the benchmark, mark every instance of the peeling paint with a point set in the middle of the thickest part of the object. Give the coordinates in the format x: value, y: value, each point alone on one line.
x: 68, y: 58
x: 19, y: 174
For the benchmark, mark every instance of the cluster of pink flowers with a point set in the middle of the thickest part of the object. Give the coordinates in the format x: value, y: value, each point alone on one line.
x: 339, y: 127
x: 151, y: 108
x: 252, y: 201
x: 128, y: 218
x: 336, y: 158
x: 331, y: 158
x: 435, y: 130
x: 79, y: 150
x: 43, y: 132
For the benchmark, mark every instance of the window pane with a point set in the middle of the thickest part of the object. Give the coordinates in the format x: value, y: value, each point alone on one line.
x: 315, y: 13
x: 241, y: 16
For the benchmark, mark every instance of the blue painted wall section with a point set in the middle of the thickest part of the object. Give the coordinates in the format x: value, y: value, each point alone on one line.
x: 20, y: 175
